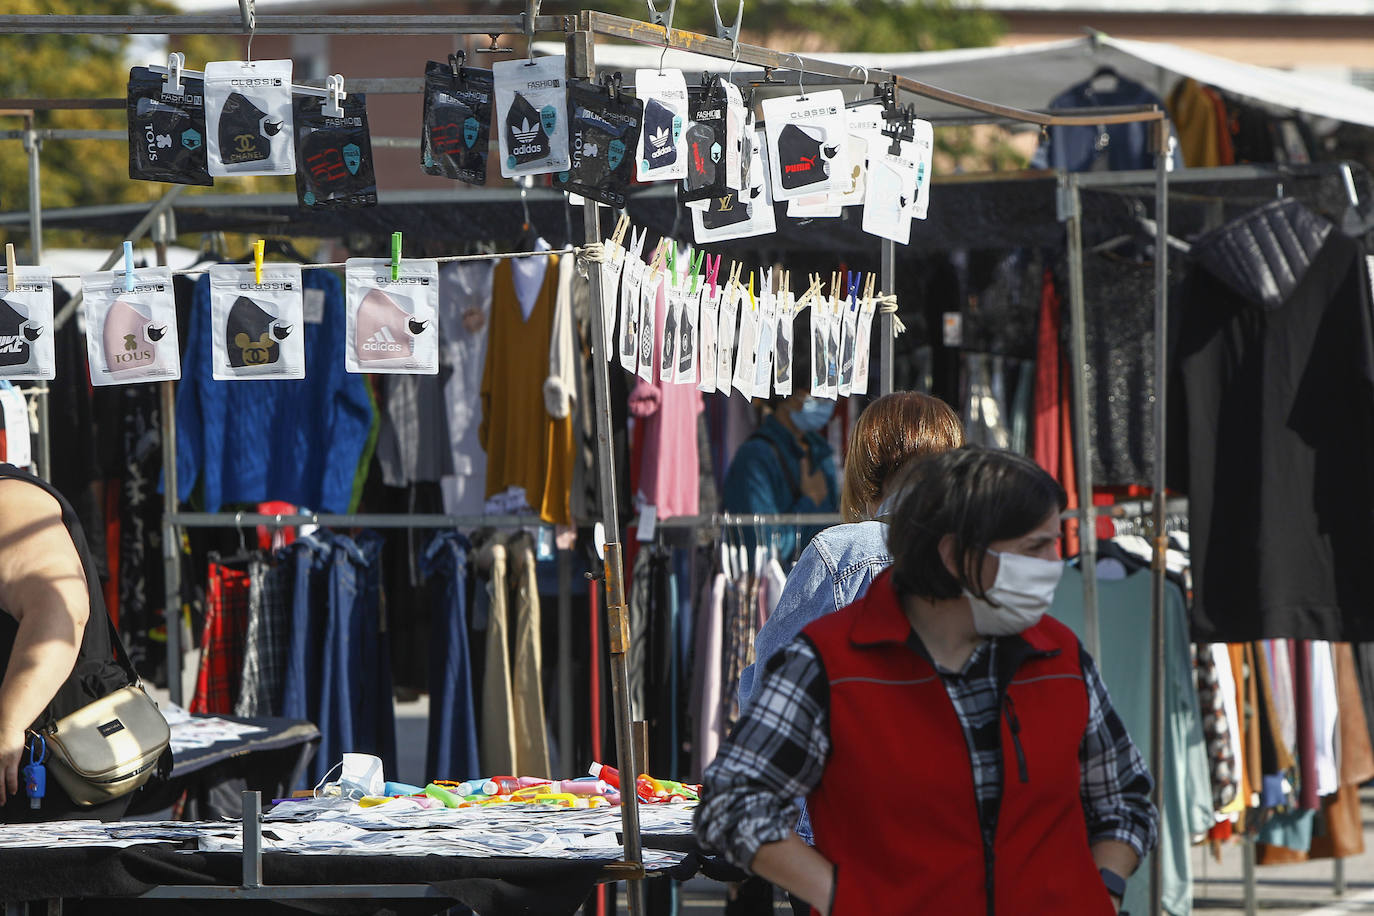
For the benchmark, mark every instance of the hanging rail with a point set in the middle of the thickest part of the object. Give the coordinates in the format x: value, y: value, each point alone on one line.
x: 279, y: 25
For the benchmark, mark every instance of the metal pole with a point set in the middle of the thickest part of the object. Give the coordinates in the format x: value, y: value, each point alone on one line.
x: 252, y: 839
x: 171, y: 534
x: 565, y: 661
x: 1161, y: 540
x: 1247, y: 865
x: 34, y: 146
x: 889, y: 286
x: 581, y: 51
x: 1082, y: 454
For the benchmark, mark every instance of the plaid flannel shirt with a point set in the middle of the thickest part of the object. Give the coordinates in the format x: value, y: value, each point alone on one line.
x: 779, y: 749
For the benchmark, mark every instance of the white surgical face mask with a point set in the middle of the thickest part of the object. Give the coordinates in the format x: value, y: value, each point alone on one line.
x: 1022, y: 592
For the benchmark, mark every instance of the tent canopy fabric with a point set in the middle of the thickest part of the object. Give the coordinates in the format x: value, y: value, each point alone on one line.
x: 1029, y: 76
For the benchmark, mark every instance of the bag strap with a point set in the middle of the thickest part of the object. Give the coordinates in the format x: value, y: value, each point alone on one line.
x: 793, y: 484
x: 120, y: 653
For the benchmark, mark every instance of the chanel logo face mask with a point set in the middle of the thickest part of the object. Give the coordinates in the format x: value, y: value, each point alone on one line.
x: 249, y: 110
x: 245, y: 130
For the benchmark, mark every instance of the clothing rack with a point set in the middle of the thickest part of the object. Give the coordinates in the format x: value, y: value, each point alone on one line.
x: 581, y: 33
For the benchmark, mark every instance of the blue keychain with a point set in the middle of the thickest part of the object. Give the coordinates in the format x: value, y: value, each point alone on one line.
x: 35, y: 774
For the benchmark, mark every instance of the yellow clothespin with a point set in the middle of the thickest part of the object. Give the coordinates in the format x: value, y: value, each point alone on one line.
x: 753, y: 304
x: 258, y: 248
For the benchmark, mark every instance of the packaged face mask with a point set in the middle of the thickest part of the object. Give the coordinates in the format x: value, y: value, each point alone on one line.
x: 862, y: 342
x: 248, y: 117
x: 663, y: 141
x: 725, y: 336
x: 26, y: 334
x: 609, y: 273
x: 393, y: 325
x: 848, y: 325
x: 808, y: 146
x: 816, y: 206
x: 532, y: 116
x: 782, y: 346
x: 767, y: 329
x: 166, y: 131
x: 672, y: 327
x: 457, y: 122
x: 707, y: 356
x: 605, y: 135
x: 739, y: 131
x: 649, y: 292
x: 632, y: 277
x: 899, y: 185
x: 131, y: 335
x: 832, y: 350
x: 688, y: 339
x: 820, y: 337
x: 334, y: 154
x: 258, y: 329
x: 743, y: 214
x: 706, y: 143
x: 747, y: 346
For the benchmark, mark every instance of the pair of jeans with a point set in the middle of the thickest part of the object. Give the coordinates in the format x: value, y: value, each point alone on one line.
x: 308, y: 558
x: 452, y: 747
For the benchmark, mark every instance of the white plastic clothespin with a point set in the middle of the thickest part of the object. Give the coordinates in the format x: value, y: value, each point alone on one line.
x: 128, y: 266
x: 176, y: 61
x: 334, y: 85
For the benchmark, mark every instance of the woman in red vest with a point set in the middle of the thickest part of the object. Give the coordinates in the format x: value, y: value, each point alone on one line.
x: 957, y: 749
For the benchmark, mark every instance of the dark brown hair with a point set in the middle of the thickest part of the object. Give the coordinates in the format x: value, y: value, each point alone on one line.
x: 979, y: 496
x: 891, y: 432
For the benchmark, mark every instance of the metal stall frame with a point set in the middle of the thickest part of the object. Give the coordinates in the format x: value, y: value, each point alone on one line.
x: 581, y: 33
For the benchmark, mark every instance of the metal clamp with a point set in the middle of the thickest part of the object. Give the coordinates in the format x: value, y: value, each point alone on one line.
x: 658, y: 17
x: 729, y: 33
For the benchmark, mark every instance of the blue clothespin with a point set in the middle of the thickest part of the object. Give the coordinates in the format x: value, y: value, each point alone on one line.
x: 855, y: 279
x: 128, y: 266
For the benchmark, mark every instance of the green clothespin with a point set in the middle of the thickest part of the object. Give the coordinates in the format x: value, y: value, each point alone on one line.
x: 395, y: 256
x: 672, y: 259
x: 696, y: 271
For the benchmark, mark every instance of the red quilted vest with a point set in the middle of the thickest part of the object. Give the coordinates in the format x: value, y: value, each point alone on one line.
x: 895, y: 808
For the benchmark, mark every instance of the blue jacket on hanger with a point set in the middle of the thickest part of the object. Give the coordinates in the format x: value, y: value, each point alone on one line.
x: 295, y: 440
x: 1117, y: 147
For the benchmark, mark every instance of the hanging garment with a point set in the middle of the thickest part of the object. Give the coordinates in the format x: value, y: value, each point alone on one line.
x: 307, y: 559
x: 464, y: 317
x: 1325, y: 718
x: 413, y: 444
x: 707, y: 644
x: 1216, y: 724
x: 669, y: 475
x: 221, y: 659
x: 1201, y: 125
x: 266, y: 650
x: 497, y: 743
x: 640, y: 607
x: 253, y: 441
x: 1276, y: 357
x: 525, y: 446
x: 531, y: 730
x: 1119, y: 147
x: 452, y: 747
x: 1124, y: 627
x: 560, y: 388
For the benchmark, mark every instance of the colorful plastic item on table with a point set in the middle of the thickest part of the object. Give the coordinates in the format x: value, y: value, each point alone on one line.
x: 401, y: 788
x: 447, y: 798
x: 500, y: 785
x: 610, y: 774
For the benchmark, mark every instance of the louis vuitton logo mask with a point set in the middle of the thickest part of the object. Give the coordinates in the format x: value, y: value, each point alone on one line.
x: 384, y: 329
x: 17, y: 334
x: 130, y: 338
x: 244, y: 131
x: 251, y: 335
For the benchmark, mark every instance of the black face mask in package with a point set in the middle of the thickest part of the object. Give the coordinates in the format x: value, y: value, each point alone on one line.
x: 706, y: 144
x: 248, y: 116
x: 166, y: 131
x: 605, y: 135
x: 457, y: 127
x: 334, y: 155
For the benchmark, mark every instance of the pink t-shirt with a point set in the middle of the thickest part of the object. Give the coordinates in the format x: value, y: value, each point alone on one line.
x: 669, y: 478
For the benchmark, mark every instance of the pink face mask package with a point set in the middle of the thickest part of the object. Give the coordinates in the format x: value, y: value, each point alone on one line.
x: 131, y: 328
x: 393, y: 324
x: 26, y: 333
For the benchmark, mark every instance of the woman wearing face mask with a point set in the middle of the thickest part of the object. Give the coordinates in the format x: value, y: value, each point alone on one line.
x: 786, y: 466
x: 956, y: 747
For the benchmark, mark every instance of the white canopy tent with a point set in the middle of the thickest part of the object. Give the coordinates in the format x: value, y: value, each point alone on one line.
x: 1029, y: 76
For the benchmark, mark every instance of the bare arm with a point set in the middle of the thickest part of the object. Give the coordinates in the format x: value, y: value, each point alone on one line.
x: 43, y: 586
x: 798, y: 869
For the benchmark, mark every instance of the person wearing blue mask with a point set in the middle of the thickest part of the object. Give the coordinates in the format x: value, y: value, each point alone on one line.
x: 787, y: 466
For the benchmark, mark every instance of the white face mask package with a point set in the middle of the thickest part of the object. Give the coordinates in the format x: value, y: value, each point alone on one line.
x: 531, y: 115
x: 707, y: 355
x: 688, y: 333
x: 257, y: 329
x: 768, y: 328
x: 393, y: 325
x: 820, y: 334
x: 899, y: 186
x: 663, y: 141
x: 672, y: 327
x: 725, y: 336
x: 648, y: 304
x: 747, y: 348
x: 782, y: 345
x: 736, y: 216
x: 131, y: 334
x: 248, y: 117
x: 26, y: 332
x: 832, y: 349
x: 848, y: 324
x: 924, y: 144
x: 632, y: 276
x: 737, y: 128
x: 808, y: 146
x: 817, y: 206
x: 610, y: 267
x: 863, y: 338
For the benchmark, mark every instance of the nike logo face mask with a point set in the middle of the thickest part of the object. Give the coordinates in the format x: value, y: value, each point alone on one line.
x: 245, y: 131
x: 15, y: 335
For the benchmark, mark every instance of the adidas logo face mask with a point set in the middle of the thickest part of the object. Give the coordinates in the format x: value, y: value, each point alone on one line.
x: 392, y: 324
x: 662, y: 146
x: 525, y: 135
x: 532, y: 110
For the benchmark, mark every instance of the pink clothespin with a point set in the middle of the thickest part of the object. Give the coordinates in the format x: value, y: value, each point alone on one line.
x: 712, y: 272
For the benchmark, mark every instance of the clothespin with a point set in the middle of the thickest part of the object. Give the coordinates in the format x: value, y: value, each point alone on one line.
x: 175, y: 62
x: 868, y: 290
x: 259, y: 247
x: 660, y: 253
x: 855, y: 279
x: 395, y: 256
x: 334, y: 85
x: 753, y: 305
x: 670, y: 259
x: 9, y: 264
x: 618, y: 236
x: 695, y: 268
x: 712, y: 273
x: 129, y: 266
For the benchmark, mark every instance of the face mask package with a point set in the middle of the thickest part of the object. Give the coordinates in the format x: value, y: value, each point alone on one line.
x: 672, y: 327
x: 899, y: 186
x: 248, y: 117
x: 832, y: 349
x: 688, y: 343
x: 457, y: 122
x: 609, y: 272
x: 335, y: 154
x: 725, y: 336
x: 735, y: 215
x: 166, y: 130
x: 632, y: 278
x: 393, y: 325
x: 707, y: 142
x: 862, y: 345
x: 663, y: 147
x: 747, y: 348
x: 808, y: 144
x: 26, y: 333
x: 820, y: 337
x: 131, y: 334
x: 605, y: 135
x: 767, y: 330
x: 532, y: 116
x: 848, y: 324
x: 648, y: 304
x: 707, y: 356
x: 782, y: 346
x: 257, y: 328
x: 739, y: 131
